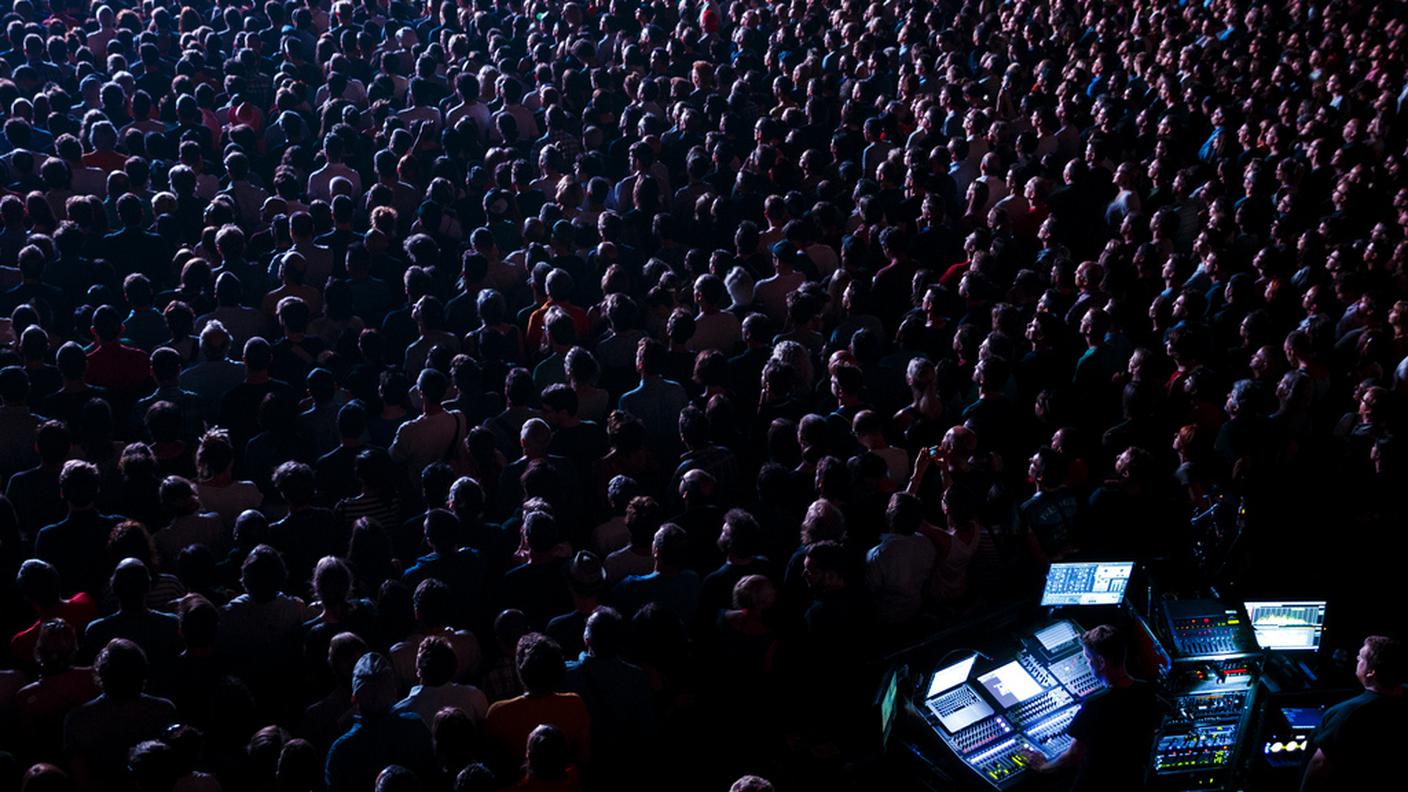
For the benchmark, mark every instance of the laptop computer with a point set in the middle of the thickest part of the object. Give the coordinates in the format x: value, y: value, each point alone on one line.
x: 952, y: 700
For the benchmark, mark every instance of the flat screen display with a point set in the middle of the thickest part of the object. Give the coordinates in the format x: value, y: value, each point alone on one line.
x: 1010, y: 684
x: 1094, y: 583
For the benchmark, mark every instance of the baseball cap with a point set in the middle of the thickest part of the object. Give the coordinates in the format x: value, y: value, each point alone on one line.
x: 374, y: 682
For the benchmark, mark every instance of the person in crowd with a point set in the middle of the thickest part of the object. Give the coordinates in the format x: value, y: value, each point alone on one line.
x: 379, y: 736
x: 98, y: 734
x: 540, y: 669
x: 436, y: 665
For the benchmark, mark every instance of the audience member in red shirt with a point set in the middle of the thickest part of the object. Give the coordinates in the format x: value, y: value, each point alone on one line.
x: 38, y: 582
x: 558, y: 286
x: 124, y: 370
x: 509, y: 724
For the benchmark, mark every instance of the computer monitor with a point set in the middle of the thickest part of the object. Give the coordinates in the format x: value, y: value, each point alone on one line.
x: 1055, y: 638
x: 951, y: 676
x: 1303, y: 719
x: 1088, y: 583
x: 889, y: 706
x: 1010, y: 684
x: 1288, y: 626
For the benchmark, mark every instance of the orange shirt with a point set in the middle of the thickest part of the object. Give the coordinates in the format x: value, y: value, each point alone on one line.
x: 538, y: 317
x: 106, y: 161
x: 511, y: 721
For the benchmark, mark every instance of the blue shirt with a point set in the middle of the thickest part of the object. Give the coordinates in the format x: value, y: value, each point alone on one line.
x: 145, y: 329
x: 373, y: 743
x: 657, y: 402
x: 679, y: 593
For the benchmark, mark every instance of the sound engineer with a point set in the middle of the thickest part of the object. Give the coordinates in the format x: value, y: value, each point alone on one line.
x: 1112, y: 732
x: 1358, y: 737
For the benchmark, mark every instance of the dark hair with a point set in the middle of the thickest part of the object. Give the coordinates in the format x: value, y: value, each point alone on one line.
x: 1106, y: 642
x: 539, y: 661
x: 540, y: 531
x: 549, y: 754
x: 199, y: 619
x: 121, y: 669
x: 560, y: 398
x: 435, y: 661
x: 1387, y: 659
x: 904, y: 513
x: 442, y: 529
x: 433, y: 602
x: 644, y: 516
x: 39, y: 582
x: 295, y: 482
x: 263, y: 573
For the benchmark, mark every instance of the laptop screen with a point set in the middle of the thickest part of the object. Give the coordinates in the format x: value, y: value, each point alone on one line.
x: 951, y: 676
x: 1010, y: 684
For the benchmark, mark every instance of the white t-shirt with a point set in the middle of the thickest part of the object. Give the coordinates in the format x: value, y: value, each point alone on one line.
x: 466, y: 646
x: 426, y: 438
x: 203, y: 528
x: 611, y: 535
x: 721, y: 331
x: 229, y: 501
x: 426, y: 701
x: 626, y: 562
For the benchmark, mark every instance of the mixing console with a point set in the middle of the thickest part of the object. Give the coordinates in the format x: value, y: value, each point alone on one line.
x: 1029, y: 699
x: 1074, y: 672
x: 981, y: 733
x: 1002, y: 762
x: 1203, y: 628
x: 1050, y: 735
x: 1038, y: 671
x: 1036, y: 709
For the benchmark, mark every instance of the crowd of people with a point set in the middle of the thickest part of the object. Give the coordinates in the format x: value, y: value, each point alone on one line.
x: 559, y: 395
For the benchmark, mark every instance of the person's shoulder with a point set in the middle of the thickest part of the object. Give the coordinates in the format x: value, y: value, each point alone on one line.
x: 632, y: 582
x: 409, y: 721
x: 1347, y: 708
x: 94, y: 709
x: 504, y: 708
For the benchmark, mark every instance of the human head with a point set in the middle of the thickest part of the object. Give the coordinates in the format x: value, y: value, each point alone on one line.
x: 539, y: 662
x: 39, y: 583
x: 121, y: 668
x: 373, y: 684
x: 1382, y: 663
x: 79, y: 483
x: 1105, y: 650
x: 435, y: 661
x: 263, y: 573
x: 131, y: 580
x: 670, y: 547
x: 904, y: 514
x: 548, y: 753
